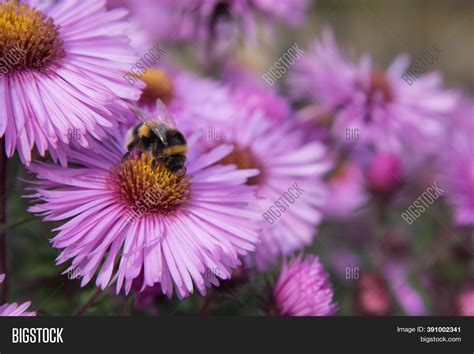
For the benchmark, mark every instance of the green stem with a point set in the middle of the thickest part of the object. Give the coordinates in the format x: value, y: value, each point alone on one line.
x: 81, y: 310
x: 18, y: 223
x: 207, y: 301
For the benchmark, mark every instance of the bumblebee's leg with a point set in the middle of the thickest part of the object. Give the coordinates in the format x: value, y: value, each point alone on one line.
x: 131, y: 145
x: 154, y: 164
x: 157, y: 152
x: 181, y: 172
x: 125, y: 157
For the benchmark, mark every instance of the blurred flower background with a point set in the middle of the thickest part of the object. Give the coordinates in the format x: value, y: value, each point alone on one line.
x: 357, y: 115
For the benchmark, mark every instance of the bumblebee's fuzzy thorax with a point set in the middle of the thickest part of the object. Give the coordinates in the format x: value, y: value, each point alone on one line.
x: 151, y: 190
x: 144, y: 131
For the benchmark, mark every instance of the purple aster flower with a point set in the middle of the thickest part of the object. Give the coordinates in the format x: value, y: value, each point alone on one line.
x: 251, y: 91
x: 201, y: 102
x: 407, y: 296
x: 290, y: 187
x: 206, y: 103
x: 386, y: 111
x: 291, y: 11
x: 14, y: 309
x: 346, y: 189
x: 372, y: 296
x: 456, y: 165
x: 206, y: 100
x: 384, y: 174
x: 182, y: 232
x: 214, y: 24
x: 288, y: 164
x: 303, y: 289
x: 61, y: 73
x: 465, y: 302
x: 280, y: 152
x: 264, y: 100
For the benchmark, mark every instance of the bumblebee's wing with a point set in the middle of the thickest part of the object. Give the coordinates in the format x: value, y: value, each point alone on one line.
x: 150, y: 121
x: 163, y: 114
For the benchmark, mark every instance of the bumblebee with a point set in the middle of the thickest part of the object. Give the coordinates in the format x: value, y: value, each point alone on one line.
x: 159, y: 136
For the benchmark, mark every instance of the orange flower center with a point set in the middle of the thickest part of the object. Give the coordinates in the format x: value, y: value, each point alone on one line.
x: 28, y: 38
x: 149, y: 191
x: 158, y: 85
x: 244, y: 158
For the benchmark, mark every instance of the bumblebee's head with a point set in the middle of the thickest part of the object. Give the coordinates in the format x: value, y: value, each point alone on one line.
x: 175, y: 162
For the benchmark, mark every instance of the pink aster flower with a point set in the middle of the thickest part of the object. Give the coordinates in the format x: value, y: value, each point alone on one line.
x: 14, y: 309
x: 465, y: 302
x: 214, y: 24
x: 264, y: 100
x: 192, y: 98
x: 386, y: 110
x: 121, y: 220
x: 291, y: 11
x: 251, y: 91
x: 456, y: 165
x: 201, y: 102
x: 287, y: 162
x: 303, y: 289
x: 372, y: 296
x: 384, y: 174
x: 63, y: 72
x: 407, y: 296
x: 199, y: 99
x: 346, y: 189
x: 290, y: 187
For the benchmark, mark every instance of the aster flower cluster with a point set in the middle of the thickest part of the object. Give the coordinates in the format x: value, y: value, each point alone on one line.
x: 390, y: 137
x: 211, y: 20
x: 176, y: 184
x: 66, y: 76
x: 198, y: 223
x: 377, y: 104
x: 126, y: 222
x: 380, y: 119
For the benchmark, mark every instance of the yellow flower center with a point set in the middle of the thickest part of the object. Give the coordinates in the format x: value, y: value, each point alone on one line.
x: 145, y: 190
x: 28, y: 38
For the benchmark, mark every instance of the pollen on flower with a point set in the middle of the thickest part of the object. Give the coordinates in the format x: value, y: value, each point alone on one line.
x: 147, y: 190
x: 29, y: 36
x: 244, y: 158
